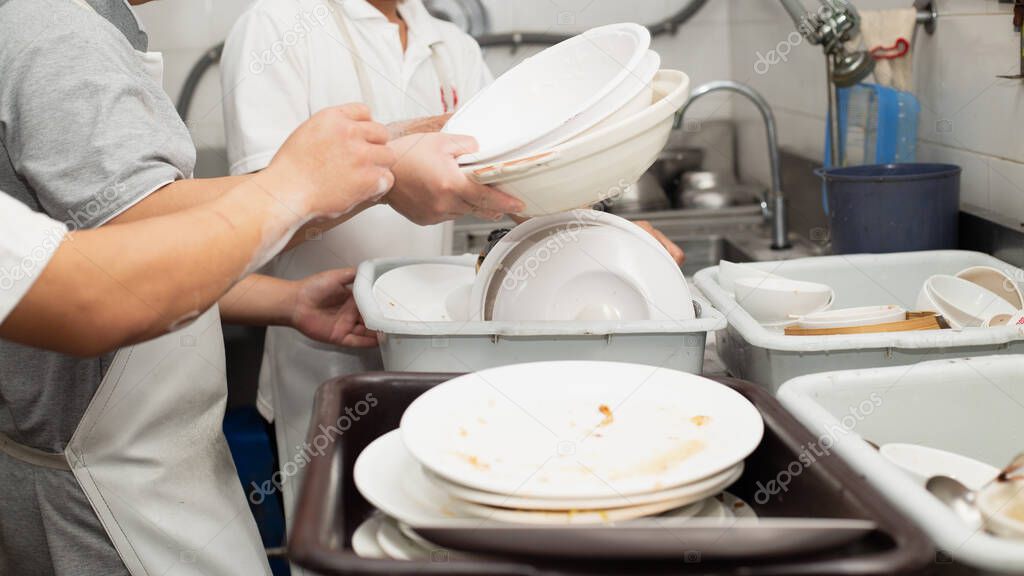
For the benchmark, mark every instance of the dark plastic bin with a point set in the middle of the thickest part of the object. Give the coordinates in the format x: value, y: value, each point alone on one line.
x: 889, y: 208
x: 330, y: 508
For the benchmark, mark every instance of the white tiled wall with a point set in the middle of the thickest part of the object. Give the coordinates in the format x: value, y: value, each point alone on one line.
x: 184, y: 29
x: 969, y: 117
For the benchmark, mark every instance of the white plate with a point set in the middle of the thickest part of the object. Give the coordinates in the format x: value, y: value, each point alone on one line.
x: 397, y: 545
x: 364, y: 539
x: 590, y: 168
x: 681, y: 507
x: 425, y: 292
x: 736, y: 507
x: 580, y: 429
x: 688, y: 508
x: 852, y: 317
x: 582, y: 265
x: 716, y: 482
x: 545, y: 92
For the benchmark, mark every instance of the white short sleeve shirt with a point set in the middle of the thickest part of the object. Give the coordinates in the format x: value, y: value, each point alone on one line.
x: 28, y: 240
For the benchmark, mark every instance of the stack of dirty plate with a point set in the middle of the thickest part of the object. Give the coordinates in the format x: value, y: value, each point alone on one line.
x: 556, y: 443
x: 574, y: 124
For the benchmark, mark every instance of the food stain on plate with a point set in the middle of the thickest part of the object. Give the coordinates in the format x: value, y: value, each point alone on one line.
x: 700, y: 420
x: 665, y: 461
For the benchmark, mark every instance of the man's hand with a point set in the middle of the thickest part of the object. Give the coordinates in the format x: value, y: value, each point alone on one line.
x: 335, y: 161
x: 674, y: 250
x: 326, y: 311
x: 430, y: 188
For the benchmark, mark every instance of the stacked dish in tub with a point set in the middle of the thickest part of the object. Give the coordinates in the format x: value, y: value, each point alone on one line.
x: 532, y: 447
x: 562, y: 131
x: 769, y: 356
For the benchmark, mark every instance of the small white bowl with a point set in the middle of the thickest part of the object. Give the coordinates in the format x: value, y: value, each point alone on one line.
x: 996, y: 281
x: 729, y: 272
x: 923, y: 462
x: 774, y: 300
x: 853, y: 317
x: 1002, y: 506
x: 965, y: 303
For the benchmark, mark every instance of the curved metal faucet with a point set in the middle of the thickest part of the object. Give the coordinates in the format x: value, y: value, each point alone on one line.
x: 773, y: 206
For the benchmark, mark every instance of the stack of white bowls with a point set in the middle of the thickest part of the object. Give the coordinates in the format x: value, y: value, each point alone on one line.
x: 574, y: 124
x: 980, y: 296
x: 577, y: 266
x: 581, y: 265
x: 563, y: 443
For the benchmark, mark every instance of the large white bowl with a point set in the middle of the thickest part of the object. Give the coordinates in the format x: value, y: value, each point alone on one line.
x: 581, y: 265
x: 996, y: 281
x: 964, y: 303
x: 636, y: 90
x: 547, y: 91
x: 775, y: 300
x: 591, y: 168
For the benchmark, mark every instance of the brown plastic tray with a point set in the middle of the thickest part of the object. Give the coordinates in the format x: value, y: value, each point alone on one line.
x: 330, y: 508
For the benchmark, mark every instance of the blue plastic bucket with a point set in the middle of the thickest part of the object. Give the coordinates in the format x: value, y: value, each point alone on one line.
x: 893, y: 207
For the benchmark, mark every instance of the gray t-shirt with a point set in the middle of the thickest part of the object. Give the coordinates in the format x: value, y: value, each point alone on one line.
x: 84, y: 135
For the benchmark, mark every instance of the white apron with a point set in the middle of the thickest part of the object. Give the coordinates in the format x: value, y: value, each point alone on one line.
x: 151, y: 456
x: 294, y: 366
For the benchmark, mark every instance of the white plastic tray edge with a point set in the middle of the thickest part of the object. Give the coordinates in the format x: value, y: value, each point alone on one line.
x: 942, y: 525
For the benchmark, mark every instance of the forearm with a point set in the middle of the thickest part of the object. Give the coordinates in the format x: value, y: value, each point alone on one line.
x: 180, y: 195
x: 103, y: 296
x: 259, y: 300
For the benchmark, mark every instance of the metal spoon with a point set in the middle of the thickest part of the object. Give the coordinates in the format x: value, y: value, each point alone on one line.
x: 962, y: 499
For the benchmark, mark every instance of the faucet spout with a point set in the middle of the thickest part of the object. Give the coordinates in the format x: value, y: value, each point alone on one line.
x: 774, y: 204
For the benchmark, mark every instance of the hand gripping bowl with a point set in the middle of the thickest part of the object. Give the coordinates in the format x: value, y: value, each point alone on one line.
x: 593, y: 167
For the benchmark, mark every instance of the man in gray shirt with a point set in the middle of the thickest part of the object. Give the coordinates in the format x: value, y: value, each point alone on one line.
x: 88, y: 138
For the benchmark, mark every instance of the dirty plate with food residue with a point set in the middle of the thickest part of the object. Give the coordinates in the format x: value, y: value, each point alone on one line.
x: 580, y: 429
x: 686, y: 493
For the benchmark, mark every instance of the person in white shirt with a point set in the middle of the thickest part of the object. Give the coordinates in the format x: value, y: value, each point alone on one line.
x: 283, y: 61
x: 286, y: 59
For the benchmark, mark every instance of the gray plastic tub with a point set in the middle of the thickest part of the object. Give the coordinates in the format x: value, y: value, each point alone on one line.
x: 769, y: 357
x: 470, y: 346
x: 971, y: 406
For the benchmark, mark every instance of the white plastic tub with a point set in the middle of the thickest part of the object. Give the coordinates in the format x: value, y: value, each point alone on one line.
x: 470, y: 346
x: 972, y: 406
x: 768, y: 357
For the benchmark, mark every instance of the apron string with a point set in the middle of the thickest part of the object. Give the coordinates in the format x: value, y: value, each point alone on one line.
x: 449, y: 94
x: 33, y: 456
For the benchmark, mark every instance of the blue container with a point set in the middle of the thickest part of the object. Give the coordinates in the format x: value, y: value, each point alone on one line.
x: 893, y: 207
